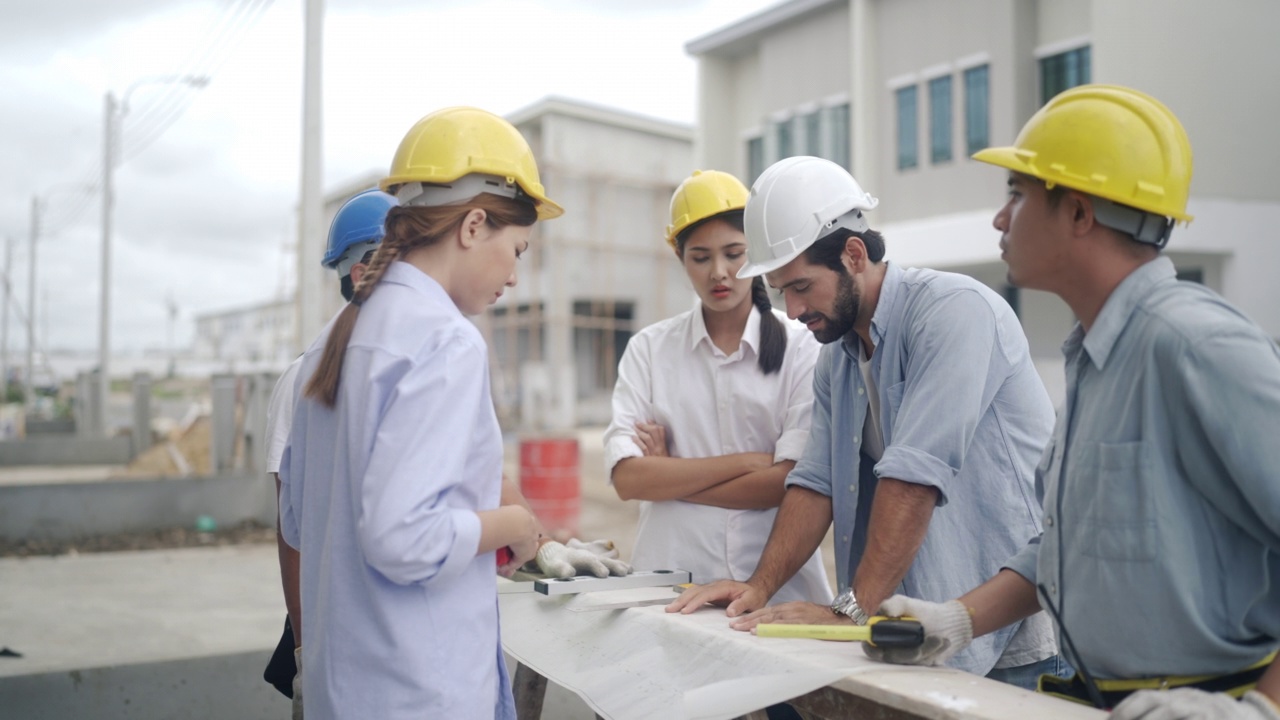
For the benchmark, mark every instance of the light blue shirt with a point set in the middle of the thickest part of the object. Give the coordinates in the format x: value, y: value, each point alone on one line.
x: 962, y: 410
x: 1161, y: 486
x: 400, y: 616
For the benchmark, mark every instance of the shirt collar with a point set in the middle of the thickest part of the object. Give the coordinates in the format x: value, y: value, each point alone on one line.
x: 698, y: 328
x: 881, y: 318
x: 402, y: 273
x: 1119, y: 307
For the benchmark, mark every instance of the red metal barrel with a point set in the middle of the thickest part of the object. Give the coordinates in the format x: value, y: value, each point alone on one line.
x: 549, y: 481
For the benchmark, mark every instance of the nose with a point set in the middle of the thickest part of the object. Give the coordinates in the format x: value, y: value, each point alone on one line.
x: 1001, y: 220
x: 719, y: 268
x: 511, y: 281
x: 795, y: 308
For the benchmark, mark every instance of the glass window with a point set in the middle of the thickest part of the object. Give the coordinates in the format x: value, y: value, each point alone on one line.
x: 907, y: 124
x: 786, y: 133
x: 755, y: 158
x: 940, y: 119
x: 813, y: 134
x: 977, y: 101
x: 1064, y: 71
x: 838, y: 140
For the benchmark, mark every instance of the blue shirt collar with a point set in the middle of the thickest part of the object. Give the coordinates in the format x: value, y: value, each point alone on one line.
x: 1117, y: 310
x: 881, y: 318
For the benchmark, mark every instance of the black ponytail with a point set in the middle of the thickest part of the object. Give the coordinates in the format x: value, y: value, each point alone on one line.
x: 773, y: 336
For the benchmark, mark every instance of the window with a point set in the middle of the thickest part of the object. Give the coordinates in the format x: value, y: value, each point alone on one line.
x: 838, y: 141
x: 1195, y: 275
x: 1063, y: 71
x: 977, y: 124
x: 907, y: 155
x: 601, y: 329
x: 940, y: 119
x: 813, y: 134
x: 786, y: 134
x: 755, y: 158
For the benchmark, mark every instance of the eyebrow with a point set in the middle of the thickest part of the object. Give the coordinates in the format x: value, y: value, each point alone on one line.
x: 787, y: 285
x: 730, y: 246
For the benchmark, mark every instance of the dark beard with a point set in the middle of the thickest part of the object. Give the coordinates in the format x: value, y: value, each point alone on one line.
x: 846, y: 312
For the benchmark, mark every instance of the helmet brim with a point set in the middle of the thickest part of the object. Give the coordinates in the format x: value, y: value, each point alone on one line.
x: 751, y: 270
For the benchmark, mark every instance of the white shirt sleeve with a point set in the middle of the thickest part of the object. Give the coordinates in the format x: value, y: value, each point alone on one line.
x: 280, y: 415
x: 796, y: 402
x: 632, y: 403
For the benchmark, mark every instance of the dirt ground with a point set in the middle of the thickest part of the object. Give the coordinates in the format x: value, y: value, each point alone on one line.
x: 244, y: 533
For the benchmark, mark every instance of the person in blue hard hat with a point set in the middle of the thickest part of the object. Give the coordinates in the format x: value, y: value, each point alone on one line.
x: 354, y: 235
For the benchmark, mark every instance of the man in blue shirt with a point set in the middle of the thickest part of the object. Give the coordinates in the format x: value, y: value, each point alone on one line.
x: 928, y: 419
x: 1160, y: 554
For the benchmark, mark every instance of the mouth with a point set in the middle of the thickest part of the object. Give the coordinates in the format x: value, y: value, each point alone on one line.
x: 720, y: 292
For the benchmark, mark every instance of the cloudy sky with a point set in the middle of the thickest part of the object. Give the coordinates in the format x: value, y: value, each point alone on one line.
x: 204, y: 213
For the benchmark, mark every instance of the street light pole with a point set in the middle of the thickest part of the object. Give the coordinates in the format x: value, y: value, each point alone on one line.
x: 28, y: 395
x: 113, y: 117
x: 4, y: 320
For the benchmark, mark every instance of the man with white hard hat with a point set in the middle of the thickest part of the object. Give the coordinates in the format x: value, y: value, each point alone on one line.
x: 928, y: 421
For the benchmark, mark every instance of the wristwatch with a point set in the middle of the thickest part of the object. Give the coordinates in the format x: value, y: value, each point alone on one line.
x: 846, y: 605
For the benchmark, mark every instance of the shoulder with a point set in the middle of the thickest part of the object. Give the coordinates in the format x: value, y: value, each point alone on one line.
x: 672, y: 329
x: 926, y: 287
x: 1185, y: 316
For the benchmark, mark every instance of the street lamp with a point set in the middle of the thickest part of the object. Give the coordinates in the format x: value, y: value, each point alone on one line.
x: 113, y: 115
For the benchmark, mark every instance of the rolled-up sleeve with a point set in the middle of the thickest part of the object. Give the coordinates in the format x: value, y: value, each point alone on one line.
x: 942, y: 398
x: 1024, y: 563
x: 813, y: 471
x: 797, y: 401
x: 407, y: 529
x: 632, y: 403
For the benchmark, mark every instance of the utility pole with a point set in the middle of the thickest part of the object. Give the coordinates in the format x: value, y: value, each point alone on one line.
x: 104, y: 321
x: 29, y: 396
x: 309, y: 310
x: 4, y: 320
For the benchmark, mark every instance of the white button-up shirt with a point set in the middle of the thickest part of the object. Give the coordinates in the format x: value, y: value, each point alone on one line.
x: 713, y: 404
x: 280, y: 415
x: 380, y: 494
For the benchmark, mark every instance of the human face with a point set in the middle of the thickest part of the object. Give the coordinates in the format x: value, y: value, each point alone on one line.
x: 491, y: 265
x: 713, y: 254
x: 1031, y: 243
x: 826, y: 301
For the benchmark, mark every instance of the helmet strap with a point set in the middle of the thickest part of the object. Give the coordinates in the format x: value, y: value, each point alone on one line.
x: 1147, y: 228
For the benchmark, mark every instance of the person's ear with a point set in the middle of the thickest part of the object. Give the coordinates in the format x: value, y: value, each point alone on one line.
x: 472, y: 227
x: 854, y: 256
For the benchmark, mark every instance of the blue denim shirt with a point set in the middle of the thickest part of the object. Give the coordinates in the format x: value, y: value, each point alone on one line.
x: 1161, y: 486
x: 962, y: 410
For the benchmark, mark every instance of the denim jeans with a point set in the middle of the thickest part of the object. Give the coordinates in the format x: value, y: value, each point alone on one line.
x: 1026, y: 676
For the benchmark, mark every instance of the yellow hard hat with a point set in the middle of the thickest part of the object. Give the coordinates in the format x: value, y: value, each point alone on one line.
x: 455, y: 142
x: 702, y: 195
x: 1109, y: 141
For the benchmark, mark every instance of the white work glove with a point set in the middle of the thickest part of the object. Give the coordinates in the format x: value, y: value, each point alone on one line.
x: 599, y: 558
x: 948, y: 628
x: 297, y: 685
x: 1192, y: 704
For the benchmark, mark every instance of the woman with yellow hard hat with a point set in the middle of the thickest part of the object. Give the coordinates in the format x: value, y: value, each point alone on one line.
x: 711, y: 408
x: 391, y: 481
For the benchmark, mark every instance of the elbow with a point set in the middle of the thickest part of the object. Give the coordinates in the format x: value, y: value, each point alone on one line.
x: 625, y: 482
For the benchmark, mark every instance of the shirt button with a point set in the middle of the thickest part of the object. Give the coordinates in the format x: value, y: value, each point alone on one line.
x: 860, y: 391
x: 1053, y: 588
x: 844, y: 538
x: 856, y: 439
x: 1048, y: 520
x: 853, y: 488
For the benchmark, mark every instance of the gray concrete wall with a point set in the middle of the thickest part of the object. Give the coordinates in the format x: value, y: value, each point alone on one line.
x: 216, y: 686
x: 64, y: 450
x: 72, y: 510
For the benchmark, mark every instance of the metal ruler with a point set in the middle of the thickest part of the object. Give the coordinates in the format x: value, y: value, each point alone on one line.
x: 638, y: 579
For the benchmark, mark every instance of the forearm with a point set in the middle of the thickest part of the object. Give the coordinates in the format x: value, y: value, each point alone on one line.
x: 507, y: 525
x: 900, y: 517
x: 290, y: 577
x: 1269, y: 683
x: 511, y: 495
x: 668, y: 478
x: 758, y: 490
x: 1003, y: 600
x: 802, y: 522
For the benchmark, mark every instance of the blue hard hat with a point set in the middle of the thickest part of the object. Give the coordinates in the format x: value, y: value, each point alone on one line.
x: 357, y: 228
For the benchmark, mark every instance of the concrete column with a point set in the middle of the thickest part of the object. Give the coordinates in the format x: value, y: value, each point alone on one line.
x: 80, y: 405
x: 222, y: 445
x: 863, y: 94
x: 141, y: 412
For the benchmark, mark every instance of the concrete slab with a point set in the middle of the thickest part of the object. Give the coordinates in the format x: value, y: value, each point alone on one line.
x: 55, y: 474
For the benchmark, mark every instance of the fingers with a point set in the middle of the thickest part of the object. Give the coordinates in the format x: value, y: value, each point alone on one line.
x: 616, y: 567
x: 645, y: 438
x: 699, y: 595
x: 584, y: 561
x: 660, y: 440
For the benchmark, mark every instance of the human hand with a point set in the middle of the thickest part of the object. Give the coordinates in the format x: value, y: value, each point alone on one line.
x: 598, y: 557
x: 1191, y: 704
x: 523, y: 549
x: 791, y: 613
x: 948, y: 628
x: 740, y: 597
x: 652, y: 439
x: 297, y: 684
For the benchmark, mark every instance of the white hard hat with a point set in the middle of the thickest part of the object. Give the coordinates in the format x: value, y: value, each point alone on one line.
x: 795, y: 202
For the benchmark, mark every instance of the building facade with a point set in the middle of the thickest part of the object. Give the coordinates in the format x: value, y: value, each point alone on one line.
x: 901, y: 92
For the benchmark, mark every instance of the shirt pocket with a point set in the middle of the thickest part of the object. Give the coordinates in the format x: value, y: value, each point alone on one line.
x: 1118, y: 519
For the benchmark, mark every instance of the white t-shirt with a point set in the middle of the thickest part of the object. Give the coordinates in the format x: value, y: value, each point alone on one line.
x: 280, y: 415
x: 872, y: 430
x: 713, y: 404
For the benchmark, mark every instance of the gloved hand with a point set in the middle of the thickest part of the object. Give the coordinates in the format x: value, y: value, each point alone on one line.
x: 1191, y: 704
x: 599, y: 558
x: 297, y: 685
x: 948, y: 628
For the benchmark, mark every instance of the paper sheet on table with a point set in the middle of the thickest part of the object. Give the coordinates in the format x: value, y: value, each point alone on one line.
x: 643, y: 662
